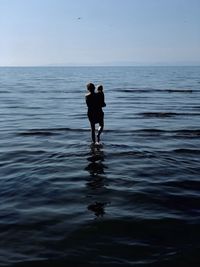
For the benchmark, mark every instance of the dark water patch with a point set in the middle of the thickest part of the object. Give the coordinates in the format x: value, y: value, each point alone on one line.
x: 15, y: 107
x: 23, y: 107
x: 157, y: 114
x: 137, y: 90
x: 165, y: 114
x: 137, y: 243
x: 171, y: 133
x: 179, y: 90
x: 171, y: 258
x: 151, y: 131
x: 67, y: 155
x: 50, y: 131
x: 160, y: 132
x: 184, y: 184
x: 153, y: 90
x: 4, y: 92
x: 32, y: 91
x: 34, y: 107
x: 187, y: 133
x: 78, y: 116
x: 182, y: 201
x: 162, y: 241
x: 136, y: 131
x: 186, y: 151
x: 33, y: 133
x: 183, y: 133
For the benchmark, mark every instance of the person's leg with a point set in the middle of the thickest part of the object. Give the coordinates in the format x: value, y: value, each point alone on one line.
x: 101, y: 126
x: 93, y: 131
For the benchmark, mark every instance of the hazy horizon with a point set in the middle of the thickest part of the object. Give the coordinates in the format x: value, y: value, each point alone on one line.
x: 108, y: 65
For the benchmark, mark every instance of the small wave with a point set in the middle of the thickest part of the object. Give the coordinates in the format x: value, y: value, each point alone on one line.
x: 50, y: 131
x: 154, y: 131
x: 151, y: 130
x: 187, y: 151
x: 136, y: 131
x: 4, y: 92
x: 44, y: 133
x: 148, y: 131
x: 153, y: 90
x: 158, y: 114
x: 165, y: 114
x: 179, y: 90
x: 176, y: 133
x: 138, y: 90
x: 189, y: 133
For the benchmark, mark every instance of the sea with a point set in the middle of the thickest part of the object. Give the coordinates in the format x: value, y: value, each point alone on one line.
x: 133, y: 200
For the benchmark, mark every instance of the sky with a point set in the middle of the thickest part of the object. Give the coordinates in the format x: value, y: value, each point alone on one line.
x: 99, y: 32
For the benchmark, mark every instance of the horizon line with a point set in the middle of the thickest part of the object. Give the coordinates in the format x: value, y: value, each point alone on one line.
x: 98, y: 65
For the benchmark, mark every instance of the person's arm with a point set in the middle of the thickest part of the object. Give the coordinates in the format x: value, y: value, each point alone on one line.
x: 86, y: 100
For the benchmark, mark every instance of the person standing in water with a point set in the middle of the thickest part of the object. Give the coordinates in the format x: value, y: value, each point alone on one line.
x: 95, y: 112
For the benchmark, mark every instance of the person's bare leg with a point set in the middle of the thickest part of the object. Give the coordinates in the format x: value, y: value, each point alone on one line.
x: 93, y: 132
x: 101, y: 125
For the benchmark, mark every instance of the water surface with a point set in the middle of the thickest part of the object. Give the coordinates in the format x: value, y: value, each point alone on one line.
x: 134, y: 201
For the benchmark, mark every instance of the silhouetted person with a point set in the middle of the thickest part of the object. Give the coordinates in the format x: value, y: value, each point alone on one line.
x: 101, y: 95
x: 95, y: 112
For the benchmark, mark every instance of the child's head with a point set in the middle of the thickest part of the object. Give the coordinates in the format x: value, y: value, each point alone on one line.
x: 100, y: 88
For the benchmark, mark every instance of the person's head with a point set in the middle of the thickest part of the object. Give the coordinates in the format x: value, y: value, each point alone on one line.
x: 100, y: 88
x: 91, y: 87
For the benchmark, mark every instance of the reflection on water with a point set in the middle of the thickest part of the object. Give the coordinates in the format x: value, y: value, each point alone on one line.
x: 97, y: 177
x: 98, y: 208
x: 96, y: 166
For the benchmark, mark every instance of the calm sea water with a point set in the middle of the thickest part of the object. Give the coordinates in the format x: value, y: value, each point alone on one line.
x: 134, y: 201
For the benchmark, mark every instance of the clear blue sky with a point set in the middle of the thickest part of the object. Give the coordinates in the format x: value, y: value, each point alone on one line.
x: 99, y: 32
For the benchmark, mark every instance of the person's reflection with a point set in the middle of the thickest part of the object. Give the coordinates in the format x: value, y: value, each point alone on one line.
x: 97, y: 178
x: 96, y: 168
x: 98, y: 208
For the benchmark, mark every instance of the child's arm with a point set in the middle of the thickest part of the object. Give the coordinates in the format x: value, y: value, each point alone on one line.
x: 103, y: 100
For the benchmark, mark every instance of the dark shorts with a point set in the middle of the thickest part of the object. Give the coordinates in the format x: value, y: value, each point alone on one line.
x: 97, y: 117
